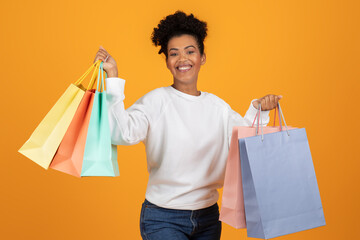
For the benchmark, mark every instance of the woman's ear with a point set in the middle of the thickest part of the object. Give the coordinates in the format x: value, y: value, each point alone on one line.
x: 203, y: 59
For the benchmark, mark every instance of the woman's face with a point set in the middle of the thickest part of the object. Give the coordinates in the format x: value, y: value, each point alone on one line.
x: 184, y: 59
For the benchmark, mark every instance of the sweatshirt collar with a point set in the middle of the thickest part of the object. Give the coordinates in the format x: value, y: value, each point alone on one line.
x: 185, y: 95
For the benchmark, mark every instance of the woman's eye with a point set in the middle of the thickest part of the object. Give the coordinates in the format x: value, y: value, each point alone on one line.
x: 173, y: 54
x: 191, y: 52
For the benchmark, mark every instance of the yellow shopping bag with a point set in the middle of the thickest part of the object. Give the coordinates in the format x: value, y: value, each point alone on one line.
x: 45, y: 140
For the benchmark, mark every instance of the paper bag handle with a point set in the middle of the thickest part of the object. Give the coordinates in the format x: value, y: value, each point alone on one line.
x: 257, y: 114
x: 101, y: 83
x: 280, y: 118
x: 94, y: 76
x: 79, y: 81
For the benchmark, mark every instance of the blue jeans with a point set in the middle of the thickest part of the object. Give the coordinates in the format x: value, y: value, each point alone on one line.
x: 157, y: 223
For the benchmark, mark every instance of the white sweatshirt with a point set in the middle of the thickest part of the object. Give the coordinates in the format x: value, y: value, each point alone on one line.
x: 186, y: 137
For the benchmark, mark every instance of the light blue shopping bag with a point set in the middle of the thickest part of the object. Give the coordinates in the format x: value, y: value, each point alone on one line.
x: 100, y: 156
x: 281, y: 194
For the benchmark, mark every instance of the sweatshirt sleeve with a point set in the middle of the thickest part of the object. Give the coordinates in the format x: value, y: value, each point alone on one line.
x: 235, y: 119
x: 128, y: 126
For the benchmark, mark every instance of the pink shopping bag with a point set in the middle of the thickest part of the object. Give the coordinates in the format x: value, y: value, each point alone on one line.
x: 232, y: 209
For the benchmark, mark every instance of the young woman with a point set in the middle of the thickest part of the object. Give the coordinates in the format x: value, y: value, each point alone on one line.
x: 186, y: 133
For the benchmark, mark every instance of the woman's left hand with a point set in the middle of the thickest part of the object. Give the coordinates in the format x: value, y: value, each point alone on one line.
x: 268, y: 102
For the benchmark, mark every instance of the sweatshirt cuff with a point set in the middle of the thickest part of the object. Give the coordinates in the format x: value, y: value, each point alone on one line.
x: 115, y: 86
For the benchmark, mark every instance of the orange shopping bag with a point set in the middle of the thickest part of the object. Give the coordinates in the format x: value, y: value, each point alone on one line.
x: 69, y: 156
x: 232, y: 206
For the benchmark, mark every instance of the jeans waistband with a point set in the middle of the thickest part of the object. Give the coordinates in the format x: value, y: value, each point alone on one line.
x: 198, y: 210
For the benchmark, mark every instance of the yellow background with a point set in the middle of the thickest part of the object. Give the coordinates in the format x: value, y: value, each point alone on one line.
x: 307, y: 50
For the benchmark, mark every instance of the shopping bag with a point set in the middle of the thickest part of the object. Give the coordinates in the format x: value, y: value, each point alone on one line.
x: 232, y: 210
x: 100, y: 156
x: 281, y: 194
x: 44, y: 141
x: 69, y: 156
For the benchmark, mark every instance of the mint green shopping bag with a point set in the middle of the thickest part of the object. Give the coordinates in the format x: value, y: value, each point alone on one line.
x: 100, y: 156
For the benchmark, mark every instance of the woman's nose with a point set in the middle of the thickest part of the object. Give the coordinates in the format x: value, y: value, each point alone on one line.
x: 182, y: 56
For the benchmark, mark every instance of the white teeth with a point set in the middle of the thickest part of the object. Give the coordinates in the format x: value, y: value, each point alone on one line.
x: 184, y: 68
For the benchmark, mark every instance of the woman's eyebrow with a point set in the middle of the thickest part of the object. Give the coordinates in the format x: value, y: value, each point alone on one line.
x: 189, y: 46
x: 184, y: 48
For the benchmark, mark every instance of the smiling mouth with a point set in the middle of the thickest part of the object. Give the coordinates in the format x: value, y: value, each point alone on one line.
x: 184, y: 68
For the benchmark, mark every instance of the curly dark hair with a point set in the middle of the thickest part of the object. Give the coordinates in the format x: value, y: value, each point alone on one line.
x: 178, y: 24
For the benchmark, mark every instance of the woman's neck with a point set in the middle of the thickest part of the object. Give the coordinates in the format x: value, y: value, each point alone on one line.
x: 190, y: 89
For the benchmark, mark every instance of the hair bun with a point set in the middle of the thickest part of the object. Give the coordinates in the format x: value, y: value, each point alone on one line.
x: 175, y: 25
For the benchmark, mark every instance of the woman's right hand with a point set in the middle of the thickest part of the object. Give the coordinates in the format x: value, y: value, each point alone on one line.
x: 109, y: 65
